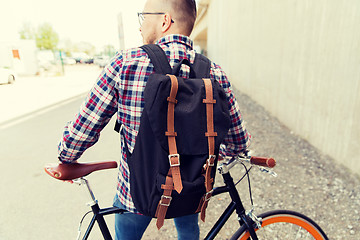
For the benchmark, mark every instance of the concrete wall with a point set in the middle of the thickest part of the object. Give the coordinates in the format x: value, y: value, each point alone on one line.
x: 300, y: 59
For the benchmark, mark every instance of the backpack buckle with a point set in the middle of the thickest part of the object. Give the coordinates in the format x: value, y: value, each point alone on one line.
x: 208, y: 195
x: 166, y: 198
x: 174, y: 156
x: 211, y: 160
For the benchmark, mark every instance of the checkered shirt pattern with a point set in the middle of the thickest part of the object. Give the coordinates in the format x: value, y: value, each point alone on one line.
x: 119, y: 89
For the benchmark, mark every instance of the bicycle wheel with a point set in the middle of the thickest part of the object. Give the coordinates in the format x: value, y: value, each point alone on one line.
x: 284, y: 224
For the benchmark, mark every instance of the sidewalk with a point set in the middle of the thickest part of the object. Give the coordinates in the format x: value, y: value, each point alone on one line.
x: 29, y: 94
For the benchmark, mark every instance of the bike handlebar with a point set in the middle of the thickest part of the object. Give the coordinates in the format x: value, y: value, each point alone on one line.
x: 260, y: 161
x: 263, y: 161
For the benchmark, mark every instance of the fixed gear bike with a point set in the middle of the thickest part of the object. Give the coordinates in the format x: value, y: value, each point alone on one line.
x: 277, y: 224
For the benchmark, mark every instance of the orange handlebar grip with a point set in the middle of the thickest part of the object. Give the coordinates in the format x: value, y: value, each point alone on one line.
x: 263, y: 161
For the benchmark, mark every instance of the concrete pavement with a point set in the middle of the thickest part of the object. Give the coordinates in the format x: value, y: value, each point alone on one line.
x: 29, y: 94
x: 32, y: 204
x: 33, y: 112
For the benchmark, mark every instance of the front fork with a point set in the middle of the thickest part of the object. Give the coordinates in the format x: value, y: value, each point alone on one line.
x: 248, y: 219
x: 250, y: 225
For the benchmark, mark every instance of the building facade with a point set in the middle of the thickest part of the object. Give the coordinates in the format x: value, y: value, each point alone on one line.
x: 300, y: 59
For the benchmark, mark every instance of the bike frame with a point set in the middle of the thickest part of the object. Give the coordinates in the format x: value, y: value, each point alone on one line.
x: 99, y: 218
x: 98, y: 213
x: 235, y: 205
x: 248, y: 221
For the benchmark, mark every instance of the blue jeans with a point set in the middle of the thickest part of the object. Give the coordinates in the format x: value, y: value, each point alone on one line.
x: 131, y: 226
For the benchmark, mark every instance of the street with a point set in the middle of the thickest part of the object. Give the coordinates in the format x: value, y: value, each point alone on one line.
x: 36, y: 206
x: 31, y: 93
x: 33, y: 205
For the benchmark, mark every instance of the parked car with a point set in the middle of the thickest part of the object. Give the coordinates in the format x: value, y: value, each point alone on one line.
x: 101, y: 61
x: 7, y: 75
x: 81, y: 57
x: 46, y: 59
x: 88, y: 60
x: 69, y: 61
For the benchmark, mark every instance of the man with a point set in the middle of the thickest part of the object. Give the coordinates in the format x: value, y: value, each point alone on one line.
x: 119, y: 89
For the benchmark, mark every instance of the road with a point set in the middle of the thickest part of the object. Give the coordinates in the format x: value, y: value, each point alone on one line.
x: 34, y: 206
x: 32, y: 93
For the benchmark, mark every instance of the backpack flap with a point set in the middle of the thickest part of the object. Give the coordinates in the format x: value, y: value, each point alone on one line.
x: 190, y: 113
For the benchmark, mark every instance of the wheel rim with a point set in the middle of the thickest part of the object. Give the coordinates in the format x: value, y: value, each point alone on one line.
x: 285, y: 226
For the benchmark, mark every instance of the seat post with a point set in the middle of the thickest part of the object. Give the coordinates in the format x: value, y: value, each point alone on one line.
x: 93, y: 199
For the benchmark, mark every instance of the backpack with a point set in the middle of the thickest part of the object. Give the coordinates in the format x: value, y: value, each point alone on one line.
x: 184, y: 121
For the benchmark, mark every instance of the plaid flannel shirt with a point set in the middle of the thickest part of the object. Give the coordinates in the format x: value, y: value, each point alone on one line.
x: 119, y: 89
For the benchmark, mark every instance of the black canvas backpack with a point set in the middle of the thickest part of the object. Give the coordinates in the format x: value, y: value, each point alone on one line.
x: 172, y: 166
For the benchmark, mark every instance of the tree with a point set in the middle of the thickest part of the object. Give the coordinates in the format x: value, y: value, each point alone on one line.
x: 27, y: 31
x: 46, y: 37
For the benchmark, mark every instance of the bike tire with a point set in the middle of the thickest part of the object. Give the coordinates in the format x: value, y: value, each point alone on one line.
x: 283, y: 224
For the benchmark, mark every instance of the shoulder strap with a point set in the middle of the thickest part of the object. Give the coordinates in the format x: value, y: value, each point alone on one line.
x: 161, y: 65
x: 158, y: 58
x: 202, y: 66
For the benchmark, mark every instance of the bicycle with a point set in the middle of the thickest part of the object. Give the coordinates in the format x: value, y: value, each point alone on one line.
x: 277, y: 224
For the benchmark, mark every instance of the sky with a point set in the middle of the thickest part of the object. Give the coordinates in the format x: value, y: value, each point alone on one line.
x: 77, y: 20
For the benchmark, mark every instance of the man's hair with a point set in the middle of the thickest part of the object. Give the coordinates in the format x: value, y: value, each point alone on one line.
x: 185, y: 14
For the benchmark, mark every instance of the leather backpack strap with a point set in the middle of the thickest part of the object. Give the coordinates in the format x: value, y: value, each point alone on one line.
x: 164, y: 202
x: 173, y: 178
x: 174, y: 157
x: 158, y: 58
x: 210, y: 134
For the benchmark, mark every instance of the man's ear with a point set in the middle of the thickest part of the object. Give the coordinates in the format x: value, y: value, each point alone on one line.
x: 166, y: 23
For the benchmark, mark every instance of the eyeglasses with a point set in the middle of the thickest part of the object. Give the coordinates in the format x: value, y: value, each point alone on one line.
x: 141, y: 16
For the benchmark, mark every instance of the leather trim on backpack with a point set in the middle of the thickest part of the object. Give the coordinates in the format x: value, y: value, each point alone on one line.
x: 173, y: 179
x: 210, y: 134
